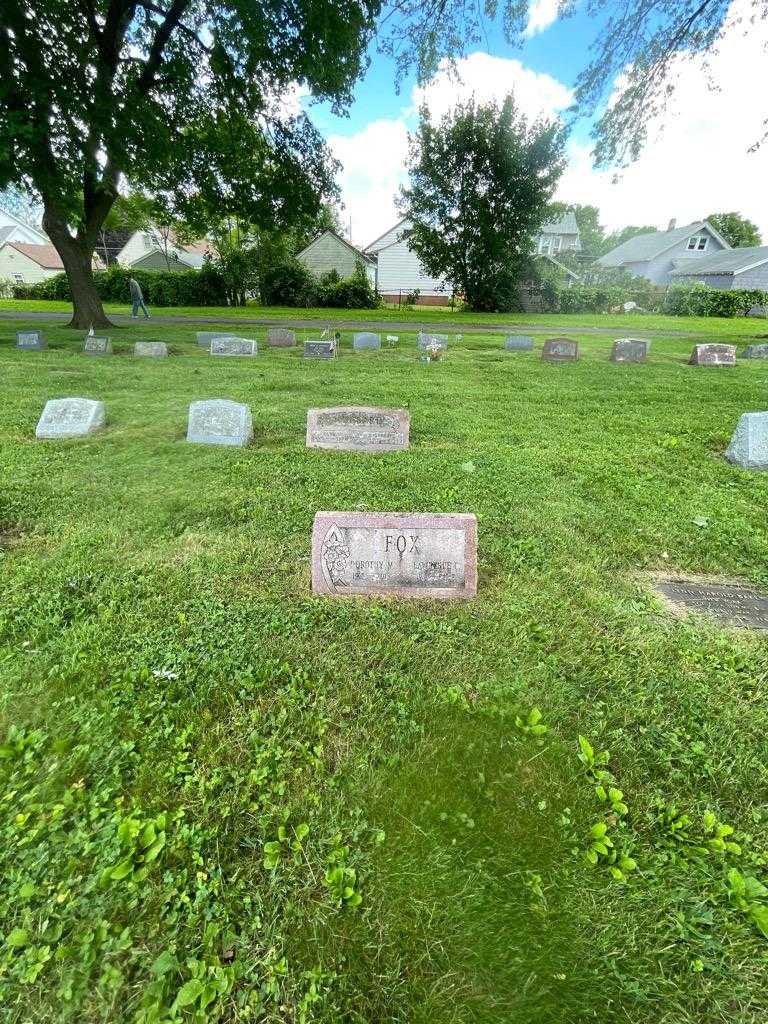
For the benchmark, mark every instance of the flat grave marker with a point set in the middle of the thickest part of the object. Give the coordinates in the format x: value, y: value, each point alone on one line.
x: 358, y: 428
x: 749, y: 444
x: 429, y: 555
x: 232, y: 346
x: 365, y: 339
x: 629, y: 350
x: 70, y: 417
x: 219, y: 421
x: 317, y: 349
x: 713, y: 354
x: 518, y: 343
x: 153, y: 349
x: 560, y: 350
x: 728, y: 602
x: 97, y: 346
x: 280, y: 337
x: 32, y: 340
x: 755, y: 352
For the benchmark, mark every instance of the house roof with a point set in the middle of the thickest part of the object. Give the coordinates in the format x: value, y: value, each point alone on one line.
x: 403, y: 220
x: 646, y: 247
x: 362, y: 255
x: 44, y: 255
x: 731, y: 261
x: 565, y: 225
x: 17, y: 222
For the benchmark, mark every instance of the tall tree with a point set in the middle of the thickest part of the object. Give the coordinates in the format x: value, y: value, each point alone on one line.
x: 480, y: 183
x: 735, y: 229
x: 591, y: 231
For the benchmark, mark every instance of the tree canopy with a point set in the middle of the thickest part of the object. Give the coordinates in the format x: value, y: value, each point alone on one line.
x: 735, y: 229
x: 481, y: 180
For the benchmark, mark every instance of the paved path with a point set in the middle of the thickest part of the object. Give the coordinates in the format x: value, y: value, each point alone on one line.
x: 362, y: 325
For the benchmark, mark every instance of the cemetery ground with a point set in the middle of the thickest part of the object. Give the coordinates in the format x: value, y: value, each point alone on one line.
x: 225, y: 799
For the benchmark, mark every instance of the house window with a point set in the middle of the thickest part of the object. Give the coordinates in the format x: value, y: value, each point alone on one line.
x: 697, y: 243
x: 545, y: 244
x: 18, y: 278
x: 557, y: 243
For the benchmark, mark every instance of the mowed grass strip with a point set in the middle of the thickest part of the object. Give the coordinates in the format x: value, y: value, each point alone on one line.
x: 227, y: 800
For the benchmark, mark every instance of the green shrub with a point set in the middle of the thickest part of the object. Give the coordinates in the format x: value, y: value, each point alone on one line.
x: 700, y: 300
x: 204, y: 287
x: 289, y: 283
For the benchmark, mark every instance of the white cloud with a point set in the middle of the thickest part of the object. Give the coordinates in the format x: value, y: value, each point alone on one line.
x: 541, y: 14
x: 697, y: 160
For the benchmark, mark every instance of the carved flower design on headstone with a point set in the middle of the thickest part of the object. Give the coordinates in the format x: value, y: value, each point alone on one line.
x: 335, y: 556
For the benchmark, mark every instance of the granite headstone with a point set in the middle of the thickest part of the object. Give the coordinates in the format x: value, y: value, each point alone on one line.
x: 31, y: 340
x: 629, y: 350
x: 518, y: 343
x: 424, y: 340
x: 428, y: 555
x: 749, y: 444
x: 713, y: 354
x: 316, y: 349
x: 154, y: 349
x: 365, y: 339
x: 560, y: 350
x: 96, y: 346
x: 756, y: 352
x: 204, y: 338
x: 231, y: 346
x: 728, y: 602
x: 280, y: 337
x: 70, y: 417
x: 219, y: 421
x: 358, y: 428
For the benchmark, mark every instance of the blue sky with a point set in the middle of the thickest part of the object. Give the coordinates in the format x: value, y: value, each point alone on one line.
x: 696, y: 163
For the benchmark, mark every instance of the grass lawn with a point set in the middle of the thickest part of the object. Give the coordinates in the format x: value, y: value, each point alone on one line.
x: 226, y: 800
x: 710, y: 327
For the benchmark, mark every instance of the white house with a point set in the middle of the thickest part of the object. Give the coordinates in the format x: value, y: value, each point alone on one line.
x: 13, y: 229
x: 146, y: 250
x: 559, y: 236
x: 27, y: 263
x: 400, y: 271
x: 658, y: 255
x: 330, y: 251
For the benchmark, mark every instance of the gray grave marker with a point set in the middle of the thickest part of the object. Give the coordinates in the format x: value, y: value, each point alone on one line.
x: 756, y: 352
x: 373, y: 553
x: 33, y: 340
x: 70, y: 417
x: 629, y: 350
x: 219, y: 421
x: 316, y: 349
x: 153, y: 349
x: 713, y: 355
x: 518, y: 343
x: 749, y: 444
x: 204, y: 338
x: 424, y: 340
x: 366, y: 339
x: 280, y: 337
x: 560, y: 350
x: 728, y: 602
x: 231, y: 346
x: 96, y: 346
x: 358, y: 428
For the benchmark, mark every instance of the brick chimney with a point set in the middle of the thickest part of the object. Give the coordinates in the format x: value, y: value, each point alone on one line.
x: 672, y: 224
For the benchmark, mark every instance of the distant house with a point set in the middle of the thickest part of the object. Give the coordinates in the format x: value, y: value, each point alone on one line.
x: 13, y: 229
x: 149, y: 250
x: 559, y: 236
x: 658, y: 254
x: 25, y: 263
x: 330, y: 251
x: 729, y: 268
x: 530, y: 291
x: 400, y: 271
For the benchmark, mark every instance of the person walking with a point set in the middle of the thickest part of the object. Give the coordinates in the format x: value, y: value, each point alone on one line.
x: 137, y: 299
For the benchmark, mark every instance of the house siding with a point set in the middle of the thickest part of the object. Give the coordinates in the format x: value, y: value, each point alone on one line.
x: 659, y: 269
x: 14, y: 262
x: 21, y: 232
x: 327, y: 253
x: 755, y: 278
x: 157, y: 261
x: 401, y: 271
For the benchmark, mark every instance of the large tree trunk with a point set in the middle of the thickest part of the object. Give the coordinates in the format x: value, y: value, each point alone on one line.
x: 77, y: 257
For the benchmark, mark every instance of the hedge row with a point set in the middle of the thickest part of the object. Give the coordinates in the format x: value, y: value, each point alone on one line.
x: 556, y: 297
x: 204, y: 287
x: 700, y: 300
x: 292, y: 284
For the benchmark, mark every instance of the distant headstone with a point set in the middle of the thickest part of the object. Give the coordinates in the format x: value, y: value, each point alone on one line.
x: 366, y: 339
x: 749, y: 444
x: 204, y: 338
x: 231, y: 346
x: 424, y: 340
x: 730, y: 603
x: 317, y: 349
x: 756, y: 352
x: 155, y: 349
x: 70, y: 417
x: 629, y: 350
x: 280, y: 337
x: 358, y: 428
x: 560, y: 350
x: 392, y: 340
x: 218, y: 421
x: 96, y: 346
x: 713, y: 354
x: 30, y: 339
x: 424, y: 556
x: 518, y: 343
